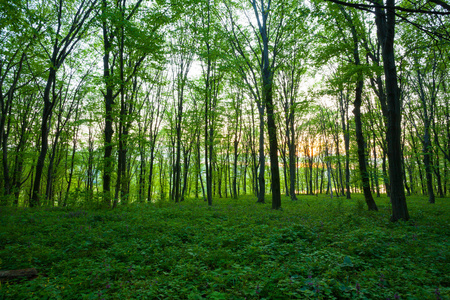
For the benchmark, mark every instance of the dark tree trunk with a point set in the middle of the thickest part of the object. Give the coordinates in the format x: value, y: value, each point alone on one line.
x: 385, y: 21
x: 72, y: 164
x: 142, y: 164
x: 385, y: 175
x: 375, y: 165
x: 109, y: 100
x: 291, y: 148
x: 285, y: 169
x: 273, y: 146
x: 362, y: 160
x: 361, y: 149
x: 244, y: 177
x: 235, y: 164
x: 177, y: 165
x: 150, y: 173
x: 46, y: 117
x: 4, y: 135
x: 343, y: 103
x: 427, y: 163
x: 408, y: 191
x: 340, y: 186
x: 187, y: 160
x: 440, y: 190
x: 262, y: 159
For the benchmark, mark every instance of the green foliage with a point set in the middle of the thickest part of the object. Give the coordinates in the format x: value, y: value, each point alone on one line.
x: 315, y: 248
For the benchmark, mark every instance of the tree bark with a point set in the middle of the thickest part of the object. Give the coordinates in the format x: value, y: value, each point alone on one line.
x: 46, y: 117
x: 109, y: 100
x: 262, y: 159
x: 385, y: 21
x: 362, y: 160
x: 343, y: 107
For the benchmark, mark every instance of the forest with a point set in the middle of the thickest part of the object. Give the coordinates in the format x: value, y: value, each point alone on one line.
x: 106, y: 103
x: 225, y: 149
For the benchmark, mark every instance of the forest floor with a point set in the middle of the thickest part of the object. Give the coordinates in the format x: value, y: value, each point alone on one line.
x: 314, y: 248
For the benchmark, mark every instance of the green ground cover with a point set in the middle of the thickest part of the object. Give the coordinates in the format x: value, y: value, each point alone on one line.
x: 315, y: 248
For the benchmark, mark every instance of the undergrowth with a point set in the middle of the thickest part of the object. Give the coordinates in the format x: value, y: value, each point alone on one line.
x: 313, y: 248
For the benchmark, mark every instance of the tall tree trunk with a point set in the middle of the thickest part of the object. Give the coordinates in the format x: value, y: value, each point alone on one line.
x: 244, y: 177
x: 4, y: 134
x: 292, y: 154
x: 362, y: 160
x: 385, y: 21
x: 235, y: 164
x: 262, y: 160
x: 72, y: 163
x: 437, y: 168
x: 340, y: 187
x: 46, y: 118
x: 5, y: 121
x: 343, y: 103
x: 408, y: 191
x: 375, y: 165
x: 108, y: 95
x: 285, y: 169
x: 187, y: 159
x: 142, y: 164
x: 177, y: 165
x: 437, y: 171
x: 385, y: 175
x: 427, y: 163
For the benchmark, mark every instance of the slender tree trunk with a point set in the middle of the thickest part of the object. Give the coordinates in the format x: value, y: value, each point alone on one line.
x: 329, y: 183
x: 262, y: 160
x: 4, y: 134
x: 51, y: 160
x: 339, y: 165
x: 437, y: 171
x: 292, y: 160
x: 427, y: 163
x: 150, y: 173
x: 375, y: 166
x: 408, y: 191
x: 187, y: 158
x: 108, y: 95
x: 362, y: 160
x: 361, y: 150
x: 142, y: 165
x: 440, y: 190
x: 46, y: 117
x: 72, y: 163
x: 343, y: 102
x: 385, y: 176
x: 285, y: 167
x: 236, y: 155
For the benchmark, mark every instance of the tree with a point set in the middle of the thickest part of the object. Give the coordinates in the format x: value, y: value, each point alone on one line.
x: 385, y: 21
x: 62, y: 43
x: 120, y: 34
x: 17, y: 36
x: 273, y: 28
x: 349, y: 27
x: 357, y: 112
x: 182, y: 59
x: 426, y: 78
x: 290, y: 75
